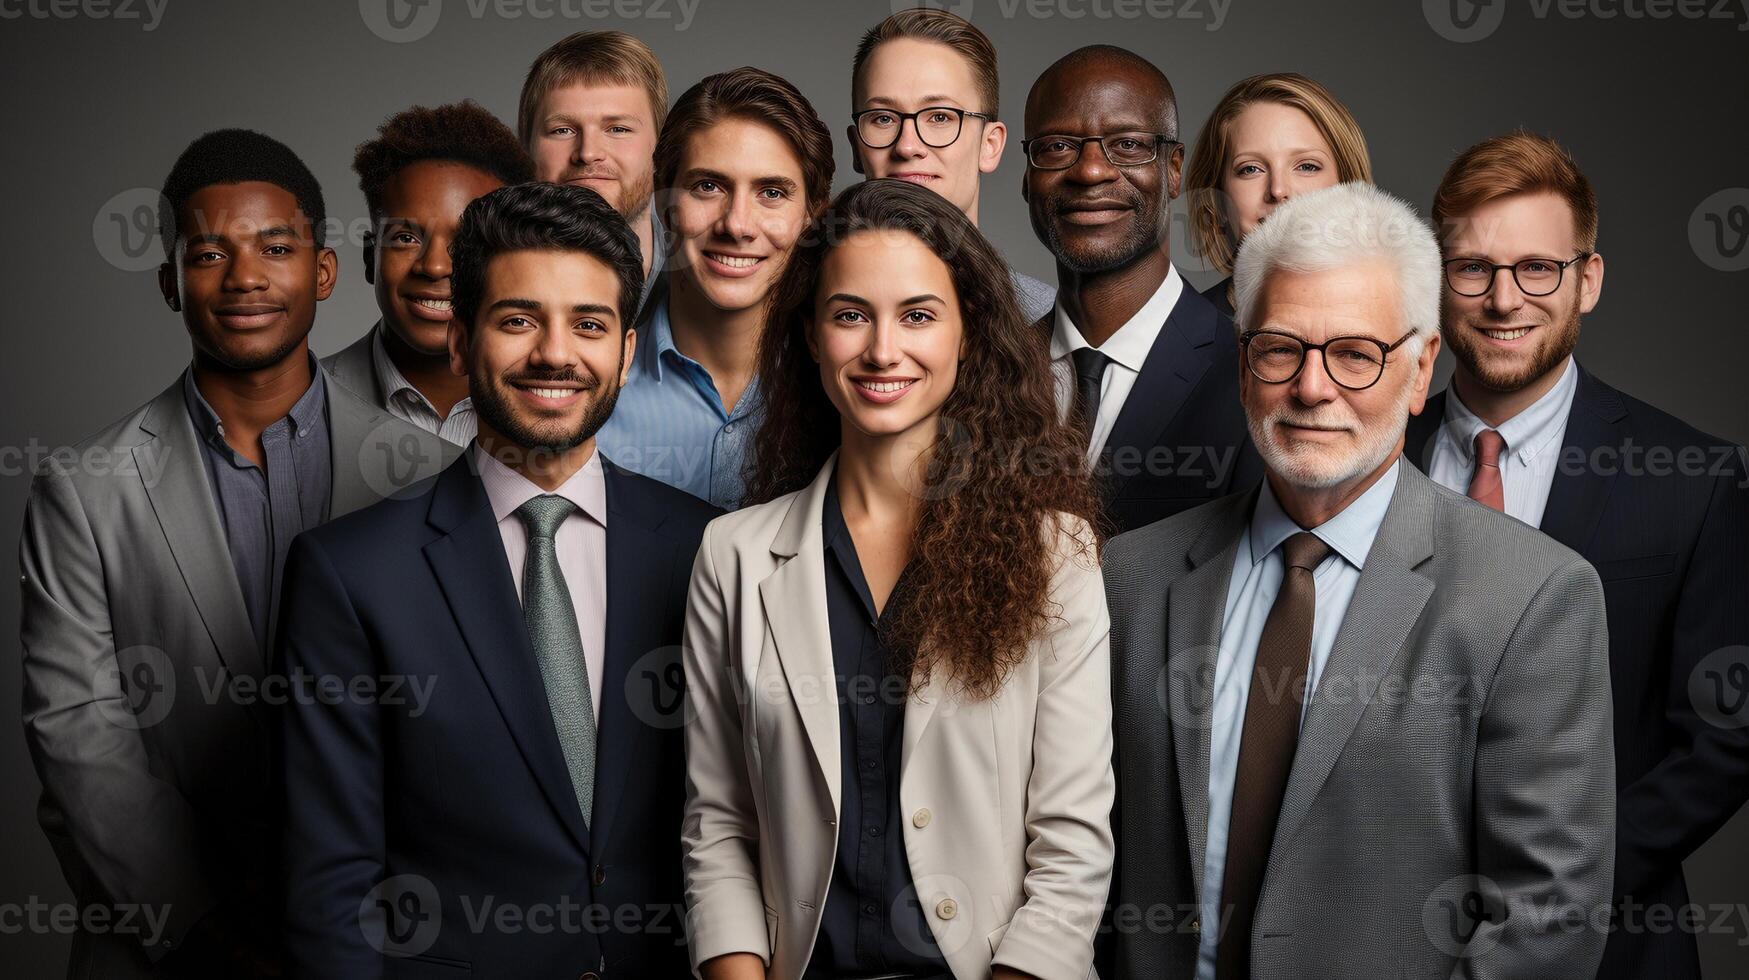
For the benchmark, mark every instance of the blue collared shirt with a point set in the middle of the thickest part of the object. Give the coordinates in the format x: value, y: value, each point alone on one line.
x: 1256, y: 580
x: 1534, y: 438
x: 261, y: 510
x: 670, y: 423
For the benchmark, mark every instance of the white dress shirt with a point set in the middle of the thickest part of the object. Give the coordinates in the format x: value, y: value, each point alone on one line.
x: 1533, y: 446
x: 581, y: 544
x: 1256, y: 580
x: 1128, y: 349
x: 409, y: 404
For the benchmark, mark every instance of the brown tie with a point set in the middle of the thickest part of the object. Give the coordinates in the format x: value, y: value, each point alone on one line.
x: 1485, y: 485
x: 1266, y: 749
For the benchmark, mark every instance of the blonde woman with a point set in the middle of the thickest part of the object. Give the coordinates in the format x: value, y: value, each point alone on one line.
x: 1271, y: 137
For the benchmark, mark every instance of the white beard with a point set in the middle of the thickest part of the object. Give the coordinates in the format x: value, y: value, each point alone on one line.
x: 1312, y: 467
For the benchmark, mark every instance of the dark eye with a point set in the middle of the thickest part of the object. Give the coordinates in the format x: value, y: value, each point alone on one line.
x: 278, y: 250
x: 1535, y: 266
x: 592, y: 326
x: 1471, y: 268
x: 620, y: 130
x: 1059, y: 146
x: 518, y: 321
x: 1247, y: 169
x: 772, y: 193
x: 561, y: 131
x: 706, y: 187
x: 1311, y: 167
x: 940, y: 117
x: 1127, y: 145
x: 849, y: 316
x: 919, y: 316
x: 881, y: 119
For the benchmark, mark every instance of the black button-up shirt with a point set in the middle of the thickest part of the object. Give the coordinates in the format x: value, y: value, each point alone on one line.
x: 873, y: 923
x: 261, y: 510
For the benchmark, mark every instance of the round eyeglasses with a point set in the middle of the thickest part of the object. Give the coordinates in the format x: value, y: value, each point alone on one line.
x: 1470, y: 276
x: 937, y: 125
x: 1122, y: 149
x: 1355, y: 363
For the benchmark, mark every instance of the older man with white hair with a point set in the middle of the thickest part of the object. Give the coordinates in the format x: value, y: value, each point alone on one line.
x: 1362, y: 722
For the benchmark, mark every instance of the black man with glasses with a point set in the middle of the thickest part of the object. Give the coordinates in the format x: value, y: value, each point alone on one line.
x: 1660, y: 508
x: 924, y: 88
x: 1148, y: 368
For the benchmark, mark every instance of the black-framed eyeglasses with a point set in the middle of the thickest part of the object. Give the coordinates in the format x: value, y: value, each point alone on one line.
x: 1472, y: 276
x: 1122, y: 149
x: 937, y: 125
x: 1355, y: 363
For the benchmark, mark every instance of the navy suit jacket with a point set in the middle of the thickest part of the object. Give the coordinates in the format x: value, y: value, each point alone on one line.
x: 1181, y: 439
x: 1671, y: 543
x: 431, y: 826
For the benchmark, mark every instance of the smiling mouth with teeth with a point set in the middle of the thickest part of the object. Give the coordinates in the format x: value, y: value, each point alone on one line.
x: 735, y: 261
x: 886, y: 386
x: 1498, y: 334
x: 439, y: 305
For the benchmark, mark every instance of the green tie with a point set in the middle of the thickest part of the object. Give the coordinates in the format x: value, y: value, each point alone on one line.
x: 558, y: 646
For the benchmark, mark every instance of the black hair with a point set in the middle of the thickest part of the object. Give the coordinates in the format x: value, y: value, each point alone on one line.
x: 461, y: 132
x: 233, y: 156
x: 542, y: 217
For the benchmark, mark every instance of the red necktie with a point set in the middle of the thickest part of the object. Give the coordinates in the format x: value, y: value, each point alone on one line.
x: 1485, y: 485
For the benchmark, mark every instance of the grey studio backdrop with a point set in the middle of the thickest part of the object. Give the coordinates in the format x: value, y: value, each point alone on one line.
x: 103, y: 94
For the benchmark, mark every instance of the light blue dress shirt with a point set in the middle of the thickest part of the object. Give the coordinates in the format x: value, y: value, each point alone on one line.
x: 670, y: 423
x: 1255, y: 582
x: 1534, y: 438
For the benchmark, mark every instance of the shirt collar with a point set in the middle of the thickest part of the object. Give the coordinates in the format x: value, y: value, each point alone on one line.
x: 310, y: 408
x: 1130, y: 345
x: 657, y: 341
x: 1349, y: 534
x: 508, y: 489
x: 1529, y: 432
x: 390, y: 380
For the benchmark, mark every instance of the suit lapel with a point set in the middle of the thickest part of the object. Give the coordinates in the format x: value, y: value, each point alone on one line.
x: 1195, y: 606
x: 1578, y: 493
x: 794, y: 598
x: 182, y: 498
x: 472, y: 570
x: 639, y: 561
x: 1387, y: 603
x: 1177, y: 361
x: 356, y: 441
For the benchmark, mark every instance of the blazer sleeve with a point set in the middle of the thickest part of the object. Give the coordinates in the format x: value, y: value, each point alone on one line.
x: 333, y: 846
x: 1545, y: 791
x: 719, y: 836
x: 1672, y: 809
x: 133, y: 835
x: 1069, y: 849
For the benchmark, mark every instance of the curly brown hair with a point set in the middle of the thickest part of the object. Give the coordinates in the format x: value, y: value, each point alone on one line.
x: 1001, y: 478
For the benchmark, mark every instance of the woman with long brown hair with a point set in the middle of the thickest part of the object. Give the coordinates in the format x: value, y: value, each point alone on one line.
x: 899, y: 743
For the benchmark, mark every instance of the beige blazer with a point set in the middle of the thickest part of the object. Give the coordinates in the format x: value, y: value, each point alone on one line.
x: 1008, y: 799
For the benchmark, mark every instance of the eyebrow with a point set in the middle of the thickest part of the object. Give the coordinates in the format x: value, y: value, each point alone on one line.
x: 773, y: 180
x: 859, y: 301
x: 213, y: 238
x: 926, y: 102
x: 535, y: 305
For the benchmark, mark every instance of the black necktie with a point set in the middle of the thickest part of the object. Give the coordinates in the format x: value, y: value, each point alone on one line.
x: 1089, y: 374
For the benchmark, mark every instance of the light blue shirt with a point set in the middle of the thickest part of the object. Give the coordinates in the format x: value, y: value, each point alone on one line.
x: 1534, y: 438
x: 670, y: 423
x: 1255, y: 582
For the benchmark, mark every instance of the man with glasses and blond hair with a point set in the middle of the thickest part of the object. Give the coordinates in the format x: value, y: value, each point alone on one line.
x: 590, y: 110
x: 1362, y: 723
x: 1658, y: 507
x: 925, y: 92
x: 1142, y: 363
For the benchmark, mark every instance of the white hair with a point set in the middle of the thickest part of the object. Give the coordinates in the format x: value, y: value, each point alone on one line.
x: 1340, y: 226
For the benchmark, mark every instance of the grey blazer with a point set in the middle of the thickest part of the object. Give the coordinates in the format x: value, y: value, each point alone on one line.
x: 355, y: 369
x: 1453, y: 791
x: 144, y: 707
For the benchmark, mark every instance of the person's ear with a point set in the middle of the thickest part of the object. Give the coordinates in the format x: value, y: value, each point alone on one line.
x: 167, y: 287
x: 1174, y: 171
x: 628, y: 350
x: 1424, y: 374
x: 855, y: 148
x: 1590, y: 282
x: 458, y: 342
x: 327, y: 273
x: 990, y: 149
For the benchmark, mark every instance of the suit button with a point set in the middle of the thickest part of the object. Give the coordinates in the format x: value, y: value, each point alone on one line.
x: 600, y: 876
x: 920, y: 819
x: 947, y: 908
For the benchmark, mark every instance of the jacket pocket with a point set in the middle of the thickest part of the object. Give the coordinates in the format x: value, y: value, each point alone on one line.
x: 1619, y: 569
x: 425, y: 968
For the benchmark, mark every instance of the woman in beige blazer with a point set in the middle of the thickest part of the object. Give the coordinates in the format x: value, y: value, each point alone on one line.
x: 899, y: 742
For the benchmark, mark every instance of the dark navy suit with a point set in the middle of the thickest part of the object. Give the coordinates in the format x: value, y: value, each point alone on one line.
x: 444, y: 829
x: 1672, y: 549
x: 1180, y: 439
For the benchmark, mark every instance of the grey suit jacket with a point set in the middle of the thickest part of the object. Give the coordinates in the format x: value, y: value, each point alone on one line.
x: 355, y: 369
x: 144, y: 706
x: 1452, y: 796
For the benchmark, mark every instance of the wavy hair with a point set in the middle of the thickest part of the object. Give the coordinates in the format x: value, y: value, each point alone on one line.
x: 1003, y: 473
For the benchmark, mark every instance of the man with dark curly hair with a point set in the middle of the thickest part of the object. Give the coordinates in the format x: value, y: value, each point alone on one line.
x: 417, y: 175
